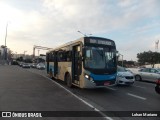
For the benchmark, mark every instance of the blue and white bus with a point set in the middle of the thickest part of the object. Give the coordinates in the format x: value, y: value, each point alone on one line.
x: 88, y: 62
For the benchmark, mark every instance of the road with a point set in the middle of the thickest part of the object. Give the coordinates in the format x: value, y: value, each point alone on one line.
x: 30, y: 90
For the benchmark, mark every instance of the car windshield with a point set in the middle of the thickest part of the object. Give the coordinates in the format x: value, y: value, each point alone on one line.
x: 121, y: 69
x: 100, y: 58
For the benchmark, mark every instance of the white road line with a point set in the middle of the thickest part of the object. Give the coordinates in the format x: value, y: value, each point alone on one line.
x: 104, y: 115
x: 139, y: 87
x: 111, y: 88
x: 136, y: 96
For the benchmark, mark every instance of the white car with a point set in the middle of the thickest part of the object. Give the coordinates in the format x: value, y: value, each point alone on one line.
x: 25, y: 65
x: 124, y: 77
x: 40, y: 66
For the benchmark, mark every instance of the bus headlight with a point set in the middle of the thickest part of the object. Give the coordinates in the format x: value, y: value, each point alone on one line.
x: 88, y: 77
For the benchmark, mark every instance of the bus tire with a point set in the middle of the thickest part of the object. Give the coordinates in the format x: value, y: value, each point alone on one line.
x: 68, y: 80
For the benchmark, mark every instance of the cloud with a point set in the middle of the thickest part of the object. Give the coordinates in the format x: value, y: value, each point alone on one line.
x: 54, y: 22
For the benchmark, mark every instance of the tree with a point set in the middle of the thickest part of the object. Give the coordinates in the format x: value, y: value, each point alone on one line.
x: 20, y: 59
x: 148, y: 58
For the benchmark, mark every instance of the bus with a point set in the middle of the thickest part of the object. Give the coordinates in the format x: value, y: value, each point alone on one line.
x: 88, y: 62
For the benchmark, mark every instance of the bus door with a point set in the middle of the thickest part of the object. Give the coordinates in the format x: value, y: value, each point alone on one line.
x: 76, y: 64
x: 55, y: 64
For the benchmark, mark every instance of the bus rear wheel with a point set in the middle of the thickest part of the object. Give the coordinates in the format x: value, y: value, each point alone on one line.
x: 68, y: 80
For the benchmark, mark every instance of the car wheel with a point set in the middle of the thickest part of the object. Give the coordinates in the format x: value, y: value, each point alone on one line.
x: 157, y: 89
x: 68, y: 80
x: 138, y: 78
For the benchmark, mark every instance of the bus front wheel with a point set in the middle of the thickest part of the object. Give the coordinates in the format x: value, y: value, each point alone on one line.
x: 68, y: 80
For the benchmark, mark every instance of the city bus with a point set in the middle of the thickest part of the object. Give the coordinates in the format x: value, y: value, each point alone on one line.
x: 88, y: 62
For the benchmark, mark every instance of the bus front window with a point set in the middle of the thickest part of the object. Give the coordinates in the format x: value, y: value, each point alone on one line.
x: 99, y: 58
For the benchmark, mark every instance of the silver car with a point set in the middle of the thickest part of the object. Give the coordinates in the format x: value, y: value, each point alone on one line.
x: 148, y: 74
x: 124, y: 77
x: 40, y: 66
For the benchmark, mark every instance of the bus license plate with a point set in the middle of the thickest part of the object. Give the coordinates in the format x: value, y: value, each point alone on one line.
x: 107, y: 83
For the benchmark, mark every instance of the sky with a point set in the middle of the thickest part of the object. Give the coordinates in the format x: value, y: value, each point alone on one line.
x: 134, y: 25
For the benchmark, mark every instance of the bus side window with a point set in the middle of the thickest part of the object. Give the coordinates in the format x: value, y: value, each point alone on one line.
x: 50, y: 57
x: 62, y: 56
x: 88, y: 54
x: 59, y: 57
x: 53, y: 57
x: 68, y: 56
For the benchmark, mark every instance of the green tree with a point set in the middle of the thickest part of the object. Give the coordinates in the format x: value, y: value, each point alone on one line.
x: 20, y: 59
x: 148, y: 58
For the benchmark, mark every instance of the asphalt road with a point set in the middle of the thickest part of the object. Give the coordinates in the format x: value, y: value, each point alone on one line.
x: 29, y: 89
x: 21, y: 90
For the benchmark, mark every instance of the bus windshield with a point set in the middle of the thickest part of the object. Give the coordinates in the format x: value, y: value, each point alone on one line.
x: 100, y: 58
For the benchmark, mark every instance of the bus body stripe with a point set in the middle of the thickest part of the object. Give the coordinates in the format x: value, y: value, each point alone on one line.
x: 103, y: 77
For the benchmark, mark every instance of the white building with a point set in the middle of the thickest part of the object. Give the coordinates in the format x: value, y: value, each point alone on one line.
x: 5, y: 55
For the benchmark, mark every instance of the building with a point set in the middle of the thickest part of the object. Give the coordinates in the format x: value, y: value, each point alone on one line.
x: 5, y: 55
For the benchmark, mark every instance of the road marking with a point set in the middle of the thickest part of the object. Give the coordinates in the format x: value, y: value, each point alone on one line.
x: 85, y: 102
x: 136, y: 96
x: 111, y: 88
x: 139, y: 86
x: 91, y: 106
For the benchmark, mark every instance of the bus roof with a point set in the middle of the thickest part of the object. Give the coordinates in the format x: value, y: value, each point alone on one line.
x: 75, y: 41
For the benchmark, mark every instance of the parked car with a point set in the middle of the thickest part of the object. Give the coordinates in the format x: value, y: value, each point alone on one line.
x: 157, y: 87
x: 40, y: 66
x: 14, y: 62
x: 124, y: 77
x: 20, y: 64
x: 148, y: 74
x: 33, y: 65
x: 25, y: 65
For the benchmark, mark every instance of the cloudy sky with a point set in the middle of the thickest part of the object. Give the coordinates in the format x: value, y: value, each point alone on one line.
x: 133, y: 24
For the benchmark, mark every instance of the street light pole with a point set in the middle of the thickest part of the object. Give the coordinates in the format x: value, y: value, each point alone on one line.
x: 83, y: 33
x: 5, y: 46
x: 6, y: 34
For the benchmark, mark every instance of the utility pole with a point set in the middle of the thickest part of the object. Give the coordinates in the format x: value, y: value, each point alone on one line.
x: 5, y: 46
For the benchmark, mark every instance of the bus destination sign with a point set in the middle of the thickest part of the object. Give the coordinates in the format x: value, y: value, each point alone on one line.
x: 101, y: 42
